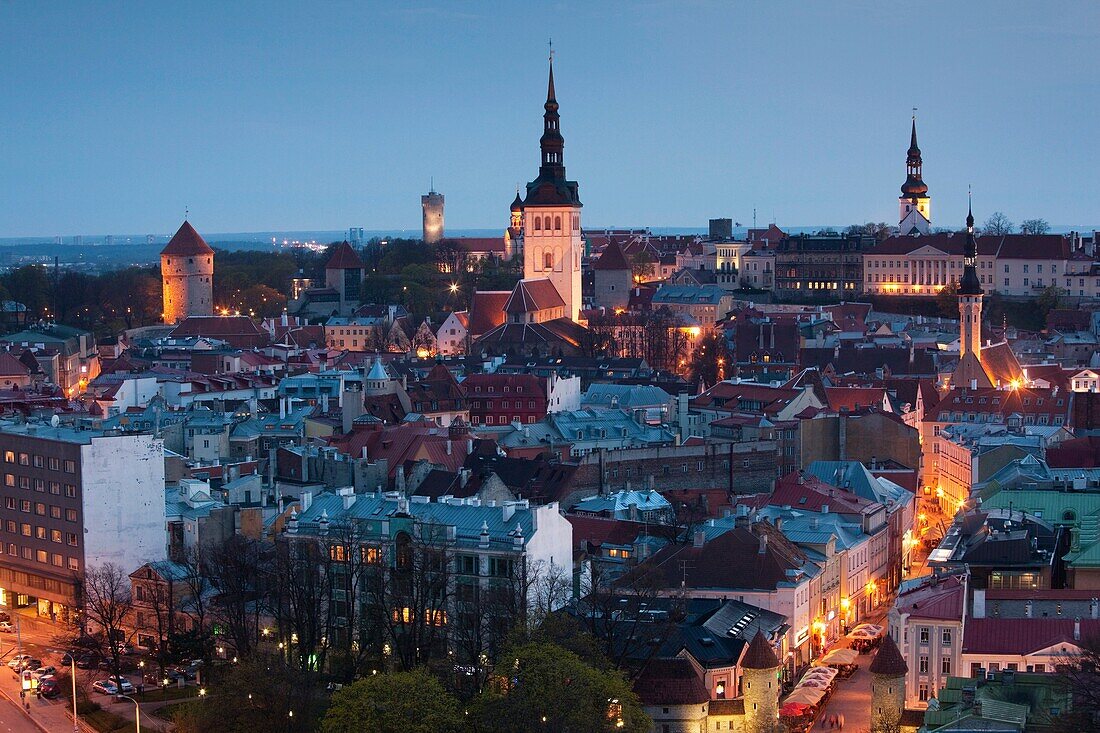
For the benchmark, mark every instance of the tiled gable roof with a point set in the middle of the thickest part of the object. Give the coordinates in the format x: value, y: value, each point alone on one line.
x: 344, y: 258
x: 533, y: 295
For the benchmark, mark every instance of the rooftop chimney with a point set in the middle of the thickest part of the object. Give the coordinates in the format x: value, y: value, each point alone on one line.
x: 700, y: 538
x: 763, y: 543
x: 1077, y: 628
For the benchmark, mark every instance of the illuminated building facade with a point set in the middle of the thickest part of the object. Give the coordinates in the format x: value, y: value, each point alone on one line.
x: 187, y: 275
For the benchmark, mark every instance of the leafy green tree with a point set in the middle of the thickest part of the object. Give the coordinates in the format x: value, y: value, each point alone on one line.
x: 540, y: 687
x: 31, y: 286
x: 1049, y: 299
x: 400, y: 702
x: 947, y: 301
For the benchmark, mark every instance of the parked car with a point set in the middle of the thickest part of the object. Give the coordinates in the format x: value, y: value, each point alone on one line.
x: 108, y: 687
x: 5, y: 616
x: 17, y: 660
x: 6, y: 627
x: 29, y: 664
x: 49, y: 688
x: 88, y: 661
x: 66, y: 660
x: 177, y: 673
x: 124, y: 648
x: 44, y: 672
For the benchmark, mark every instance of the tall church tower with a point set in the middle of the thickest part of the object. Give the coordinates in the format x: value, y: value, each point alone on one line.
x: 432, y: 204
x: 970, y: 296
x: 187, y: 273
x: 760, y: 682
x: 914, y: 204
x: 552, y: 216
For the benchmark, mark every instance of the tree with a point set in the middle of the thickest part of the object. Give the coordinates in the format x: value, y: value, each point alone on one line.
x: 1049, y: 299
x: 710, y: 359
x: 107, y: 604
x: 1034, y: 226
x: 239, y: 569
x: 998, y: 224
x: 642, y: 266
x: 1080, y: 677
x: 399, y: 702
x: 540, y: 687
x: 947, y: 301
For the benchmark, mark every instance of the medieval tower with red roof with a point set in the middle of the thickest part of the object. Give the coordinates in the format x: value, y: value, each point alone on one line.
x: 551, y: 215
x: 187, y: 274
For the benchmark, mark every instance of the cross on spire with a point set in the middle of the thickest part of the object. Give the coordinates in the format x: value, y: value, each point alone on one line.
x: 550, y: 43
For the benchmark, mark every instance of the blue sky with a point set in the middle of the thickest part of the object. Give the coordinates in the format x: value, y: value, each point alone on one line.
x: 294, y: 116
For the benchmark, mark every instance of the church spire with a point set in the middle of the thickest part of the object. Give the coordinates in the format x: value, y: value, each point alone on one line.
x: 552, y: 143
x: 970, y: 285
x: 914, y: 185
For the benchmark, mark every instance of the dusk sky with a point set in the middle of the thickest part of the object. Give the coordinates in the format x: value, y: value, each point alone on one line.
x: 301, y: 116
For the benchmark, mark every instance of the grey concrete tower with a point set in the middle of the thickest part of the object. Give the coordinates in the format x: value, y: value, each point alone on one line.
x: 888, y: 670
x: 760, y: 686
x: 432, y: 204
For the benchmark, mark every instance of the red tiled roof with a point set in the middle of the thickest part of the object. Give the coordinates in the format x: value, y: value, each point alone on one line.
x: 853, y: 398
x: 1076, y: 453
x: 492, y: 385
x: 672, y: 681
x: 12, y: 367
x: 239, y: 331
x: 487, y: 310
x: 343, y: 258
x: 533, y: 295
x: 612, y: 259
x: 812, y: 494
x: 187, y: 241
x: 1023, y: 635
x: 951, y: 243
x: 477, y: 244
x: 944, y: 600
x: 598, y: 531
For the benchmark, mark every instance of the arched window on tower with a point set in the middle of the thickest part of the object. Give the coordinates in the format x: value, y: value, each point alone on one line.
x: 538, y: 223
x: 557, y: 223
x: 548, y: 261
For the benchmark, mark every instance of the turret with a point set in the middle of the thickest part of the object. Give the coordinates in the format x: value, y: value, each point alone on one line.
x: 970, y: 296
x: 888, y: 670
x: 187, y: 273
x: 914, y: 204
x: 760, y: 676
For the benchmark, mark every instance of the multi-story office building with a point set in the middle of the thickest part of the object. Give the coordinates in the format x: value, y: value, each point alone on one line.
x: 72, y: 499
x: 821, y: 265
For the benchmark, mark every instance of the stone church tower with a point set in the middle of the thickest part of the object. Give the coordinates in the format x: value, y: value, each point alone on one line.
x: 187, y: 274
x: 551, y: 215
x: 888, y: 670
x: 760, y: 686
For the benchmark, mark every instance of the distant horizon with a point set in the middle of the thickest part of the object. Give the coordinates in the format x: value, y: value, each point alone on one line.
x: 335, y: 235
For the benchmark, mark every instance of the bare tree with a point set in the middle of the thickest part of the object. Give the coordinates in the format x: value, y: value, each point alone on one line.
x: 239, y: 570
x: 621, y: 611
x: 411, y: 597
x: 108, y: 604
x: 1034, y: 226
x: 998, y: 224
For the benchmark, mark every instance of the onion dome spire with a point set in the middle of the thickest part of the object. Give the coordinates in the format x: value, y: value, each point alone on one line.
x: 970, y: 285
x: 914, y: 185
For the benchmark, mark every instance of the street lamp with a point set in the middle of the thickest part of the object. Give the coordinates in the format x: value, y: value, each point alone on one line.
x: 137, y: 712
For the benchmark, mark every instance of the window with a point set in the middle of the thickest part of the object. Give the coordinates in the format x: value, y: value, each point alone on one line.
x: 39, y: 462
x: 70, y: 491
x: 9, y: 456
x: 70, y: 515
x: 945, y: 637
x: 945, y: 665
x: 58, y: 561
x: 548, y: 261
x: 40, y: 509
x: 25, y: 506
x: 71, y: 538
x: 55, y: 488
x: 922, y: 691
x: 74, y: 564
x: 922, y: 665
x: 55, y: 536
x: 70, y: 467
x: 42, y: 556
x: 924, y: 634
x: 24, y: 459
x: 10, y: 503
x: 53, y: 463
